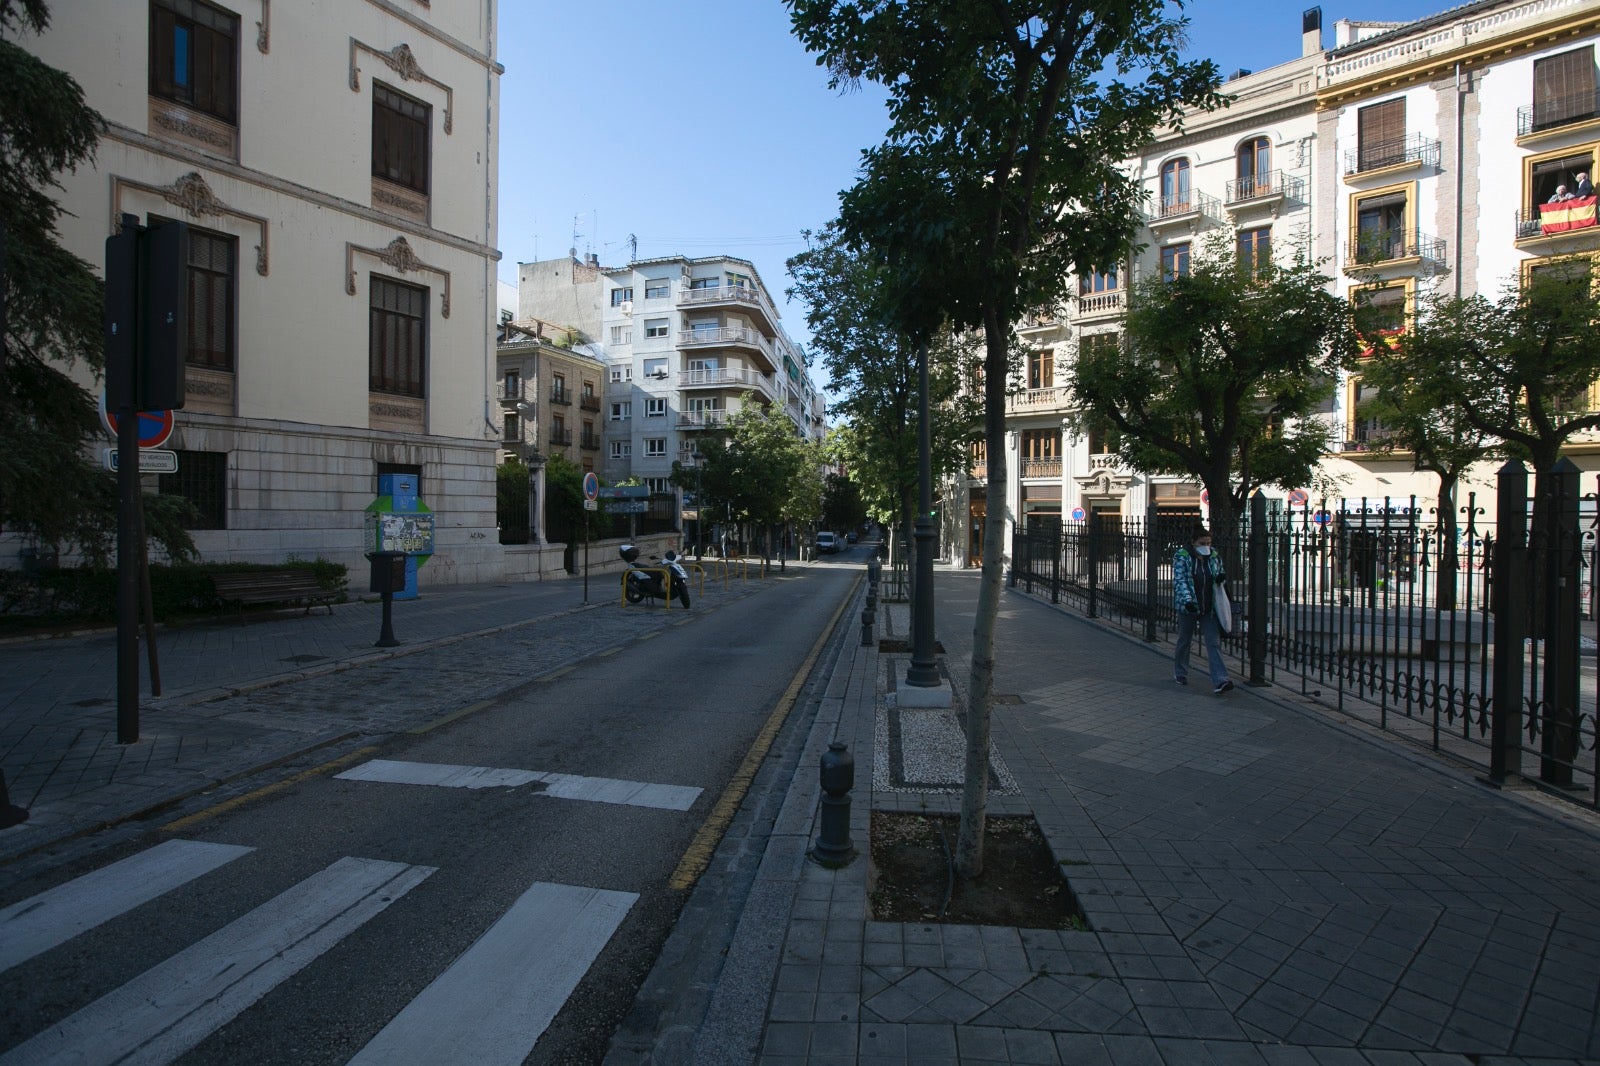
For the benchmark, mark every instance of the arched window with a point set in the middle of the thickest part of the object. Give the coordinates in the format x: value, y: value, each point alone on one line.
x: 1255, y: 168
x: 1175, y: 187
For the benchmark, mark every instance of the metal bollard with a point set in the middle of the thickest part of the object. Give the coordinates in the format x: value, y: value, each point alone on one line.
x: 868, y: 616
x: 838, y: 773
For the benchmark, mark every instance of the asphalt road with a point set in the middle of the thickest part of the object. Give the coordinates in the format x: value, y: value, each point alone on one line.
x: 503, y: 878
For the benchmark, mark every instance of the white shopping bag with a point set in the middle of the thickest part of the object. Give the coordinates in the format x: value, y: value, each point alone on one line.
x: 1224, y: 610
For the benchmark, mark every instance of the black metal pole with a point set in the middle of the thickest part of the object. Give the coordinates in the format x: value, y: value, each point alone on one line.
x: 1510, y: 606
x: 1560, y: 727
x: 923, y: 672
x: 1255, y: 612
x: 127, y: 575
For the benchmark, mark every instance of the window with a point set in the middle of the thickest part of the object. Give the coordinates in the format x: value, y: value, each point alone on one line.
x: 513, y: 385
x: 657, y: 289
x: 1254, y: 169
x: 621, y: 449
x: 621, y: 412
x: 1380, y: 313
x: 655, y: 327
x: 512, y: 433
x: 620, y: 296
x: 1564, y: 88
x: 1380, y: 230
x: 1365, y: 430
x: 559, y: 434
x: 621, y: 375
x: 655, y: 407
x: 655, y: 447
x: 621, y: 334
x: 1097, y: 281
x: 400, y: 128
x: 1041, y: 368
x: 1040, y: 444
x: 397, y: 337
x: 1175, y: 187
x: 194, y: 57
x: 1381, y: 135
x: 705, y: 283
x: 656, y: 369
x: 1104, y: 440
x: 558, y: 389
x: 586, y: 394
x: 1255, y: 248
x: 202, y: 479
x: 211, y: 281
x: 1548, y: 173
x: 739, y: 281
x: 1174, y: 261
x: 658, y: 486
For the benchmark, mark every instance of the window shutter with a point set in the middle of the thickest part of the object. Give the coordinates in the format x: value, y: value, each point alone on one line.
x: 1563, y: 87
x: 1381, y: 134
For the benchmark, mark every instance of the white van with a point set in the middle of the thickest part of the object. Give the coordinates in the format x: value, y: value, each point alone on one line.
x: 827, y: 543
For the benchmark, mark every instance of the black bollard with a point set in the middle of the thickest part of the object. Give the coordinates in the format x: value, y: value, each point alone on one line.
x: 833, y: 848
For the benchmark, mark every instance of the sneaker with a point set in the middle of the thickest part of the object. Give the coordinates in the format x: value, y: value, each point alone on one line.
x: 1181, y: 680
x: 1226, y: 686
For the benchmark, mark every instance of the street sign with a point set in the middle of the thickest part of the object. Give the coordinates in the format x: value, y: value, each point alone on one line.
x: 1297, y: 497
x: 154, y: 426
x: 151, y: 461
x: 624, y: 492
x: 591, y: 486
x: 1078, y: 514
x: 590, y: 505
x: 1321, y: 517
x: 627, y: 506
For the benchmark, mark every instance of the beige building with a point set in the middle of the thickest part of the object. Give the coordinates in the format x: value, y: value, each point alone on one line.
x: 337, y: 166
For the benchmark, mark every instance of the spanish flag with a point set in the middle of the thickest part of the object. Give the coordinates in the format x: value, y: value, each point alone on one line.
x: 1387, y: 338
x: 1566, y: 215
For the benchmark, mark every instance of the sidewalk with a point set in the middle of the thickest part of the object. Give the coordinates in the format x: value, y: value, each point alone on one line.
x: 1263, y: 884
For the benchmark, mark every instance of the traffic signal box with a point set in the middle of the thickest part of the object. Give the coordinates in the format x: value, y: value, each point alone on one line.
x: 147, y: 316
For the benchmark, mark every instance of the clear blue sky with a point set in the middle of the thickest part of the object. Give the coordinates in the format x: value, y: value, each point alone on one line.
x: 704, y: 128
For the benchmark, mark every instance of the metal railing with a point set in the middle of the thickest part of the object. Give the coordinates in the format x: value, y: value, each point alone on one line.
x: 1193, y: 202
x: 559, y: 395
x: 1271, y: 183
x: 1557, y: 111
x: 1386, y: 246
x: 1388, y: 613
x: 1411, y: 149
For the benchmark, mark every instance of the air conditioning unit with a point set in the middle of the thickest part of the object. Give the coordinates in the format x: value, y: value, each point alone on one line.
x: 627, y: 307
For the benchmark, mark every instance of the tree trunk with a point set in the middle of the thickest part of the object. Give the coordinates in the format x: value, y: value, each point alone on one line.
x: 980, y: 686
x: 1444, y: 588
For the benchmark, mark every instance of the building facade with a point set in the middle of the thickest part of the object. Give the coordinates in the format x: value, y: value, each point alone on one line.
x: 342, y: 299
x: 1407, y: 159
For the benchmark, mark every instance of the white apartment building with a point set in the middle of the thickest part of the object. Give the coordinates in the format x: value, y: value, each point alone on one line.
x: 337, y: 166
x: 687, y: 342
x: 1407, y: 158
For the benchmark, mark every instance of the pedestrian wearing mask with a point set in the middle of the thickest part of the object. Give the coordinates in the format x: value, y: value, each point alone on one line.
x: 1197, y: 574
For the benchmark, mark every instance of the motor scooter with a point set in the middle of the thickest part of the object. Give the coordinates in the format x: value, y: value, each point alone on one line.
x: 645, y: 583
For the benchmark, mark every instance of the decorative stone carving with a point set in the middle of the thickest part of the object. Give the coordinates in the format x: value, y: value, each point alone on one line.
x: 399, y: 256
x: 191, y: 193
x: 403, y: 61
x: 264, y: 28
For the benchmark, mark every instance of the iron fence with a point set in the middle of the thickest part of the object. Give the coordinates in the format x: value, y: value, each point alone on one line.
x: 1389, y: 613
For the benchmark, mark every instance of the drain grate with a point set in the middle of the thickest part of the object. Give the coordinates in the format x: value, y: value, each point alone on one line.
x: 303, y: 659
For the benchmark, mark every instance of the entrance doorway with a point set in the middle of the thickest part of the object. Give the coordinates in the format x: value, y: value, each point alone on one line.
x: 977, y: 511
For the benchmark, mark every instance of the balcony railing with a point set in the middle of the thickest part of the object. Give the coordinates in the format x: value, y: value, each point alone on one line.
x: 1041, y: 468
x: 1415, y: 149
x: 588, y: 401
x: 1100, y: 303
x: 1051, y: 397
x: 701, y: 419
x: 1271, y: 184
x: 721, y: 294
x: 1173, y: 208
x: 559, y: 395
x: 516, y: 392
x: 1377, y: 247
x: 726, y: 378
x: 561, y: 437
x: 1556, y: 112
x: 1549, y: 220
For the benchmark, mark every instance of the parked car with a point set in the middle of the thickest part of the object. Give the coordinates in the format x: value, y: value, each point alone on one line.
x: 827, y: 543
x: 850, y: 537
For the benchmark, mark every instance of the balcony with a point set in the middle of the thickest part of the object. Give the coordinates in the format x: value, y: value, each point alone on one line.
x: 1100, y: 305
x: 729, y: 378
x: 1556, y: 117
x: 1049, y: 398
x: 560, y: 438
x: 1266, y: 190
x: 1036, y: 469
x: 588, y: 401
x: 1377, y: 249
x: 561, y: 396
x: 702, y: 419
x: 589, y: 442
x: 743, y: 297
x: 1191, y: 209
x: 1408, y: 153
x: 515, y: 394
x: 736, y: 337
x: 1564, y: 219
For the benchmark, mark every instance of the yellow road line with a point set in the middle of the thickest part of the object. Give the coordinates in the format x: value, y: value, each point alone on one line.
x: 261, y: 793
x: 428, y: 727
x: 697, y: 857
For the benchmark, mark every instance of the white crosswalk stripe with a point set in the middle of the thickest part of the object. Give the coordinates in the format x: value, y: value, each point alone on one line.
x: 175, y: 1005
x: 492, y: 1004
x: 42, y: 922
x: 560, y: 786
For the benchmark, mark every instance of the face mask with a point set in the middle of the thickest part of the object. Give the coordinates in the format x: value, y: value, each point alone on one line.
x: 1202, y: 549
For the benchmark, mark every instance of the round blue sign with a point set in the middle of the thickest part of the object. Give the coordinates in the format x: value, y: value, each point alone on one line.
x: 1321, y: 517
x: 591, y: 486
x: 1077, y: 514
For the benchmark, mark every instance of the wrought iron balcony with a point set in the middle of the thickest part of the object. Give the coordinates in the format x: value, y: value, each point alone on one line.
x: 590, y: 442
x: 589, y: 401
x: 561, y: 437
x: 562, y: 396
x: 1270, y: 185
x: 1557, y: 112
x: 1191, y: 206
x: 1415, y: 149
x: 1378, y: 247
x: 1553, y: 220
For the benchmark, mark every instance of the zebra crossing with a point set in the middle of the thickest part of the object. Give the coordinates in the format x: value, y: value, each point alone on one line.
x: 531, y: 958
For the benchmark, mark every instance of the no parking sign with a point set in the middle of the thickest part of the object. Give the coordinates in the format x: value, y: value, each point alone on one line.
x: 1078, y: 514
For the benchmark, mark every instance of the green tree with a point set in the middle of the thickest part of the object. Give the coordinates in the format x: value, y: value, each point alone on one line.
x: 761, y: 458
x: 54, y: 313
x: 1412, y: 410
x: 872, y: 368
x: 1217, y: 374
x: 999, y: 177
x: 842, y: 505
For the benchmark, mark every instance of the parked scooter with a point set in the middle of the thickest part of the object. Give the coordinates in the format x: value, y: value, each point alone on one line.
x: 645, y: 583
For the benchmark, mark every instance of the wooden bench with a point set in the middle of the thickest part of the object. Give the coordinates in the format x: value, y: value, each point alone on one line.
x: 275, y: 586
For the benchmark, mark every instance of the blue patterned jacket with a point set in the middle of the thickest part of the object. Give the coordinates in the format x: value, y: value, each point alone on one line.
x: 1185, y: 589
